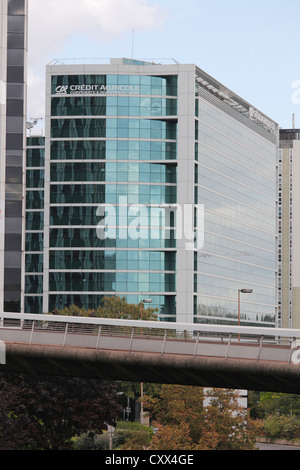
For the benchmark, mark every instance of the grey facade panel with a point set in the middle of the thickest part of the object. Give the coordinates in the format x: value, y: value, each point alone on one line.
x: 13, y: 138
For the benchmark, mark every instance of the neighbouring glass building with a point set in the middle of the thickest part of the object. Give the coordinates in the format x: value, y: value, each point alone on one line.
x: 289, y: 229
x: 236, y: 180
x: 13, y: 52
x: 34, y: 224
x: 154, y: 182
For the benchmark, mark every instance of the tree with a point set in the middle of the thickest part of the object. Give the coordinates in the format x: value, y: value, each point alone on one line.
x: 184, y: 423
x: 177, y: 404
x: 172, y: 437
x: 177, y: 413
x: 255, y: 407
x: 227, y: 425
x: 126, y: 436
x: 112, y: 307
x: 132, y: 436
x: 46, y: 412
x: 280, y: 403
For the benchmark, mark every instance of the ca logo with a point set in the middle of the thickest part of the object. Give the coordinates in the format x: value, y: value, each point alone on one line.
x: 62, y: 90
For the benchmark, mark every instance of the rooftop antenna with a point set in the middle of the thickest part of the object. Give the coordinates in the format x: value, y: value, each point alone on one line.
x: 294, y: 121
x: 30, y: 125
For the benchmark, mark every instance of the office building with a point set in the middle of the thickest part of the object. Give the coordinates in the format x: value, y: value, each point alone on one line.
x: 13, y: 49
x: 200, y: 162
x: 34, y: 224
x: 289, y: 229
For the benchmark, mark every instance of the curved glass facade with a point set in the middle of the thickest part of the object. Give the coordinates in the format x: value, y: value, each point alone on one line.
x: 118, y: 260
x: 113, y: 150
x: 113, y: 106
x: 113, y: 171
x: 113, y: 138
x: 86, y: 237
x: 119, y: 84
x: 113, y: 128
x: 110, y: 193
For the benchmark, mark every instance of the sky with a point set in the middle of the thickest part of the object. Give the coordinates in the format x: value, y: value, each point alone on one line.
x: 251, y: 47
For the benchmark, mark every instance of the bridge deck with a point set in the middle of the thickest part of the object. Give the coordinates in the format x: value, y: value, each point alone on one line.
x: 204, y: 355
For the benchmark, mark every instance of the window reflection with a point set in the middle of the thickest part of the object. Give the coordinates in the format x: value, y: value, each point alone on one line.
x: 111, y: 282
x: 112, y: 150
x: 236, y: 173
x: 112, y: 260
x: 114, y: 128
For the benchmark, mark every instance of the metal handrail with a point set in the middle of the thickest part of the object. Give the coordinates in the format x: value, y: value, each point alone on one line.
x: 192, y: 339
x: 60, y: 322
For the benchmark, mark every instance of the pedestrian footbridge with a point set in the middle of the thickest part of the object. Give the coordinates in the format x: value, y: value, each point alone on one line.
x: 219, y: 356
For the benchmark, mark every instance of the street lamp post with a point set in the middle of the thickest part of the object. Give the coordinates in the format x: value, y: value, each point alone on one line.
x: 144, y: 301
x: 243, y: 291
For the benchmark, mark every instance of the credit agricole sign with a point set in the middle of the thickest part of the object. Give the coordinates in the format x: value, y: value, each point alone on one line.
x: 97, y: 89
x: 255, y: 115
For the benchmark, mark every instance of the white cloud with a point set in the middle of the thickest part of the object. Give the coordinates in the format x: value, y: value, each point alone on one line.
x: 53, y: 22
x: 35, y: 94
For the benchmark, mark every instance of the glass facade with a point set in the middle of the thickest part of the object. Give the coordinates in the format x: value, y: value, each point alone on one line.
x: 125, y: 152
x: 236, y: 173
x: 113, y: 128
x: 119, y: 85
x: 113, y: 150
x: 113, y: 138
x: 34, y: 224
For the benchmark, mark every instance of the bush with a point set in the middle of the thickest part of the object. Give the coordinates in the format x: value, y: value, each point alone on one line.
x: 291, y: 428
x: 92, y: 440
x: 132, y: 436
x: 127, y: 436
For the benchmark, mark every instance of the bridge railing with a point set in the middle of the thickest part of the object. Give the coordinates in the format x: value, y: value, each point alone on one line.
x: 90, y: 325
x: 104, y: 332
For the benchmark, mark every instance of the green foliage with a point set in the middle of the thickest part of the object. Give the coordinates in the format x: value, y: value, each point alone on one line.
x: 132, y: 436
x: 281, y: 415
x: 128, y: 427
x: 127, y: 436
x: 291, y: 428
x: 256, y: 408
x: 267, y: 397
x: 112, y: 307
x: 92, y: 440
x: 280, y: 404
x: 272, y: 426
x: 133, y: 389
x: 283, y: 427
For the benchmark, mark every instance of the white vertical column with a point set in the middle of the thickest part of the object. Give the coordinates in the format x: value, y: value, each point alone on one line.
x: 47, y: 193
x: 185, y: 190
